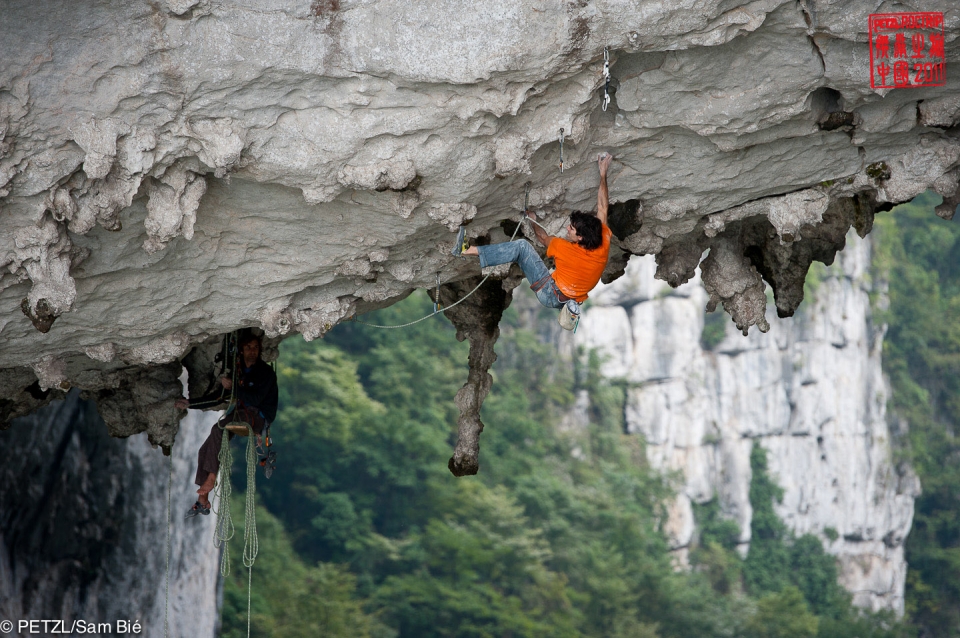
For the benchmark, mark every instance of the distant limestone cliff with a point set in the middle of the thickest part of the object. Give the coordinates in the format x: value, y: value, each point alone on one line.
x: 811, y: 392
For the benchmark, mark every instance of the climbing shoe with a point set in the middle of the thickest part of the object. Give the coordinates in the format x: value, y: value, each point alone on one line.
x: 197, y: 509
x: 569, y: 315
x: 461, y: 244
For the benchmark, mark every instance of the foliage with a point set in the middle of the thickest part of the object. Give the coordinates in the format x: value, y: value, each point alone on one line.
x: 287, y: 597
x: 777, y: 560
x: 793, y: 579
x: 715, y: 554
x: 557, y: 536
x: 714, y: 528
x: 782, y: 614
x: 767, y: 567
x: 714, y: 329
x: 919, y: 254
x: 480, y: 569
x: 816, y: 275
x: 722, y: 567
x: 349, y: 467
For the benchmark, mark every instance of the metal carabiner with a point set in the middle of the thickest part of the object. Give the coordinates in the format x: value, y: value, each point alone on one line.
x: 561, y: 150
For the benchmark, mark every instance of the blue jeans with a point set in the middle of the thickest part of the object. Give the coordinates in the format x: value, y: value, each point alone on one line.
x: 522, y: 253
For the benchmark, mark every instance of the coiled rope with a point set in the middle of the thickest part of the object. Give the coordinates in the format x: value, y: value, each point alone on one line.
x: 224, y: 490
x: 225, y: 528
x: 251, y: 544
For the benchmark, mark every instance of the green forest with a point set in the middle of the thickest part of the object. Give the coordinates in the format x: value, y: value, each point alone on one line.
x: 364, y: 532
x: 919, y: 255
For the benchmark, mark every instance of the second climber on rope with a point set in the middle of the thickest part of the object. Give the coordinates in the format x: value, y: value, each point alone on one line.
x: 256, y: 404
x: 579, y: 259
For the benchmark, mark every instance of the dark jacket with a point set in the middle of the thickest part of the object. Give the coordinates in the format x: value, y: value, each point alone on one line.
x: 256, y: 387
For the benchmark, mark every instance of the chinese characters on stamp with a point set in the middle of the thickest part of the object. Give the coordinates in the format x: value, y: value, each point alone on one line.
x: 906, y: 50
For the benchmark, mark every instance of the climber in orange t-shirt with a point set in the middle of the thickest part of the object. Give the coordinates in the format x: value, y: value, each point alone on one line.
x: 579, y: 259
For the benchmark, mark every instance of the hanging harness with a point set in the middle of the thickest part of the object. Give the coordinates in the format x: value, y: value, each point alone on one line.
x: 266, y: 458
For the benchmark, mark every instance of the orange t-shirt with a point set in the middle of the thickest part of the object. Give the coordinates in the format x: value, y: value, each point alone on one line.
x: 578, y: 269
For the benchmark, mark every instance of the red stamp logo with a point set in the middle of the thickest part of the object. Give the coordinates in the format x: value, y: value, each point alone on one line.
x: 906, y: 50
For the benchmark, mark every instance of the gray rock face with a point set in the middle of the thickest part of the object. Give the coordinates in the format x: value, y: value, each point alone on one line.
x: 83, y: 525
x: 811, y: 391
x: 171, y: 171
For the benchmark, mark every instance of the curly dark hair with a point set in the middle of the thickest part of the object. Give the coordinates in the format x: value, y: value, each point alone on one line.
x: 589, y: 228
x: 247, y: 337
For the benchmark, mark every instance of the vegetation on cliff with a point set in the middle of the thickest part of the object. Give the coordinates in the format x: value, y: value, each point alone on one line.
x: 557, y: 536
x: 919, y: 255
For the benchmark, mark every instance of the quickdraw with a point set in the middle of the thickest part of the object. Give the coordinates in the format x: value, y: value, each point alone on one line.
x: 268, y: 460
x: 561, y: 160
x: 606, y: 76
x: 437, y: 306
x: 526, y: 207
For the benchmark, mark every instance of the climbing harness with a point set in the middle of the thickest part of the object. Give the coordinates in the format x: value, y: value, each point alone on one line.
x: 266, y: 458
x: 561, y: 163
x: 606, y: 76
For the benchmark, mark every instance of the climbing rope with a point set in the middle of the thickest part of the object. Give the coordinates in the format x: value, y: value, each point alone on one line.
x: 606, y: 76
x: 436, y: 307
x: 249, y: 589
x: 224, y: 530
x: 166, y: 594
x: 223, y: 490
x: 436, y: 312
x: 251, y: 544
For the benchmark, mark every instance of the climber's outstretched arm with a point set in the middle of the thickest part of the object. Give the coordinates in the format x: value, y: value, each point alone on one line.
x: 539, y: 232
x: 603, y: 200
